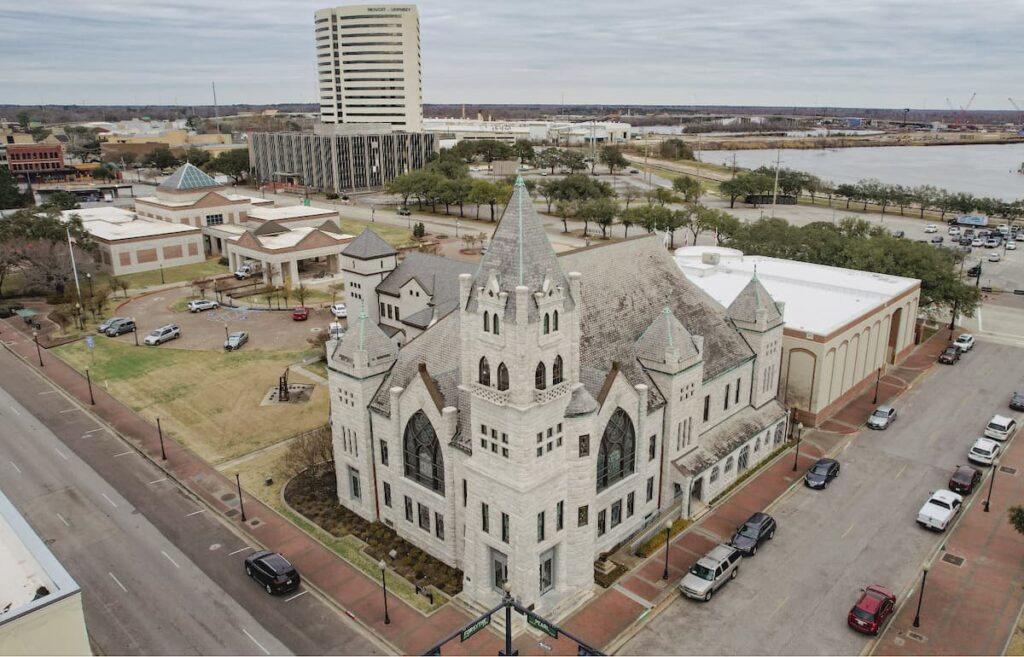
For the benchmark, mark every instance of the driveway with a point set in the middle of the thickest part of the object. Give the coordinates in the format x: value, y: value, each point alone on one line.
x: 270, y: 330
x: 793, y: 597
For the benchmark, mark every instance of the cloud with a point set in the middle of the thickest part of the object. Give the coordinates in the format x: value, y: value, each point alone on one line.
x: 889, y: 53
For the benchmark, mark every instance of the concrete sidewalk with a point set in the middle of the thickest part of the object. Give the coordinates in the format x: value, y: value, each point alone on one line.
x: 975, y: 586
x: 410, y: 631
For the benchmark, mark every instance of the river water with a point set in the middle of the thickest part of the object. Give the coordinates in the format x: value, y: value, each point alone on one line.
x: 982, y: 170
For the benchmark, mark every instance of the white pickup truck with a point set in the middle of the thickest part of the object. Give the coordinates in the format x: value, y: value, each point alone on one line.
x: 247, y: 269
x: 939, y: 510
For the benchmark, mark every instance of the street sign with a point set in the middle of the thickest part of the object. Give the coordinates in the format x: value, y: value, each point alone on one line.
x: 475, y: 627
x: 89, y: 342
x: 542, y: 625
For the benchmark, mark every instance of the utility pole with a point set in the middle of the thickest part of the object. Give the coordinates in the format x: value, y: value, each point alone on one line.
x: 775, y: 187
x: 74, y: 267
x: 216, y: 111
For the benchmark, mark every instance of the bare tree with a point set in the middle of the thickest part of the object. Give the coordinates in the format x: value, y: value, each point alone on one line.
x: 335, y: 288
x: 300, y: 293
x: 311, y: 451
x: 201, y: 285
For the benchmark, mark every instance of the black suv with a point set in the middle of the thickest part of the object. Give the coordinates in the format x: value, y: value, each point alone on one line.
x: 758, y: 528
x: 120, y: 328
x: 950, y: 355
x: 275, y: 573
x: 1017, y: 401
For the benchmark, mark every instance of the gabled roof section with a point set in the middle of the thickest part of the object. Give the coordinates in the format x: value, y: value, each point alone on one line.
x: 330, y: 226
x: 368, y: 245
x: 520, y: 253
x: 666, y: 335
x: 751, y: 299
x: 365, y: 337
x: 188, y: 177
x: 270, y: 228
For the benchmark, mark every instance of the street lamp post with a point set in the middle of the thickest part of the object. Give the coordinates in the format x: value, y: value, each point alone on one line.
x: 161, y: 274
x: 991, y: 483
x: 878, y: 381
x: 160, y: 432
x: 508, y: 620
x: 384, y: 583
x: 39, y: 352
x: 88, y: 277
x: 88, y: 380
x: 799, y: 433
x: 668, y: 535
x: 241, y: 504
x: 920, y: 597
x: 135, y: 332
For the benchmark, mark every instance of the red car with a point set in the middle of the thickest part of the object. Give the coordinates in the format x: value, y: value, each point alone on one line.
x: 875, y: 605
x: 300, y: 313
x: 964, y: 479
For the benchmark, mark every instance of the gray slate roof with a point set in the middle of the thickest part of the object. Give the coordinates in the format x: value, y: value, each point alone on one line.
x: 754, y: 297
x: 438, y: 276
x: 188, y: 177
x: 665, y: 332
x: 270, y: 227
x: 520, y: 254
x: 368, y: 245
x: 625, y: 286
x: 726, y: 437
x: 365, y: 335
x: 330, y: 226
x: 581, y: 403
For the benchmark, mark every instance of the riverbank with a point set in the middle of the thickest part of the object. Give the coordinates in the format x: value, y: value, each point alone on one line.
x: 761, y: 142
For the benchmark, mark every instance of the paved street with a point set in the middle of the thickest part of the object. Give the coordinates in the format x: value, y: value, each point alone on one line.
x: 792, y: 598
x: 159, y: 574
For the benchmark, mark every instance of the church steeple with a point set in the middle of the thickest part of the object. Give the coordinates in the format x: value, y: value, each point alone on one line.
x: 519, y: 256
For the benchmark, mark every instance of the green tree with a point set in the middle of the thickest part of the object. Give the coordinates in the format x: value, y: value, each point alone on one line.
x: 629, y: 194
x: 10, y: 196
x: 63, y: 201
x: 734, y: 189
x: 419, y: 230
x: 548, y: 158
x: 572, y: 160
x: 104, y: 172
x: 690, y: 188
x: 455, y: 191
x: 601, y: 211
x: 631, y: 217
x: 23, y: 120
x: 1016, y: 515
x: 612, y: 157
x: 523, y: 149
x: 160, y: 158
x: 233, y: 163
x: 675, y: 149
x: 482, y: 192
x: 403, y: 185
x: 197, y: 156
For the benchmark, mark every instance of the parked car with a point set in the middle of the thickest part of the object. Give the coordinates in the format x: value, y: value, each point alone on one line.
x: 965, y: 341
x: 339, y: 310
x: 965, y: 241
x: 163, y: 334
x: 758, y: 528
x: 821, y: 473
x: 992, y: 242
x: 939, y: 510
x: 899, y: 234
x: 938, y: 239
x: 983, y: 451
x: 974, y: 271
x: 1017, y: 401
x: 931, y: 228
x: 300, y: 313
x: 404, y: 212
x: 120, y: 327
x: 964, y: 479
x: 954, y: 230
x: 236, y: 340
x: 876, y: 603
x: 711, y: 572
x: 102, y: 328
x: 883, y: 416
x: 246, y: 270
x: 977, y: 241
x: 335, y: 330
x: 950, y: 355
x: 199, y: 305
x: 1011, y: 245
x: 1000, y: 427
x: 994, y: 257
x: 274, y: 573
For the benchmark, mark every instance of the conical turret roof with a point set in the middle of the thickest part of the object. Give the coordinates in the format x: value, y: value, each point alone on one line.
x: 752, y: 298
x: 666, y: 335
x: 368, y: 245
x: 365, y: 337
x: 520, y: 253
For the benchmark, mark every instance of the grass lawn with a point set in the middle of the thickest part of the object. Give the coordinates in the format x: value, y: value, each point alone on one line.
x: 393, y: 235
x: 253, y: 473
x: 175, y: 274
x: 207, y: 400
x: 317, y: 367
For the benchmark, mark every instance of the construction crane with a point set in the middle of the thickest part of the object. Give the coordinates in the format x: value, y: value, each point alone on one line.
x: 1020, y: 113
x: 961, y: 116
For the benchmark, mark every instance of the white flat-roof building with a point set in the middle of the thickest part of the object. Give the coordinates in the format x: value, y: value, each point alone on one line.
x: 841, y: 325
x: 278, y: 249
x: 40, y: 603
x: 129, y: 243
x: 452, y: 131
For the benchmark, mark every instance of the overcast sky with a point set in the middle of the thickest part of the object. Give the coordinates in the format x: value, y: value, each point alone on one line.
x: 864, y: 53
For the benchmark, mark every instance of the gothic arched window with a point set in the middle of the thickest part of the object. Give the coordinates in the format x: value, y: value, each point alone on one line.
x: 547, y: 323
x: 424, y: 462
x: 540, y: 377
x: 555, y: 322
x: 487, y: 321
x: 556, y: 371
x: 485, y: 372
x: 496, y: 331
x: 616, y: 457
x: 502, y: 377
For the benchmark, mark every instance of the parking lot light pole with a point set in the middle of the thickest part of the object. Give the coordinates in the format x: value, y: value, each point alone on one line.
x: 668, y: 537
x: 135, y: 332
x: 878, y: 381
x: 39, y: 352
x: 799, y: 432
x: 88, y: 380
x: 160, y: 432
x: 920, y: 597
x: 991, y: 483
x: 241, y: 504
x: 384, y: 583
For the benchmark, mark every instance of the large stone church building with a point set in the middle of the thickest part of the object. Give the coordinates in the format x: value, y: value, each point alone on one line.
x: 556, y: 407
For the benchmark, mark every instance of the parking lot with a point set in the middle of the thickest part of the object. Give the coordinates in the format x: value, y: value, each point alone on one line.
x: 271, y: 330
x: 793, y: 597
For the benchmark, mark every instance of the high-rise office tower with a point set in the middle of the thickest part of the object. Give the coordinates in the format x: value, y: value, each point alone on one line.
x: 368, y: 65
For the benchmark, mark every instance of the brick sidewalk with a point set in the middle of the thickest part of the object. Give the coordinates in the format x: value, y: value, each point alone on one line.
x: 606, y: 621
x: 970, y: 608
x: 410, y: 631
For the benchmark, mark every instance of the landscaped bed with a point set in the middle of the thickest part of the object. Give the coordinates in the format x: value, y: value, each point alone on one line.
x: 315, y: 497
